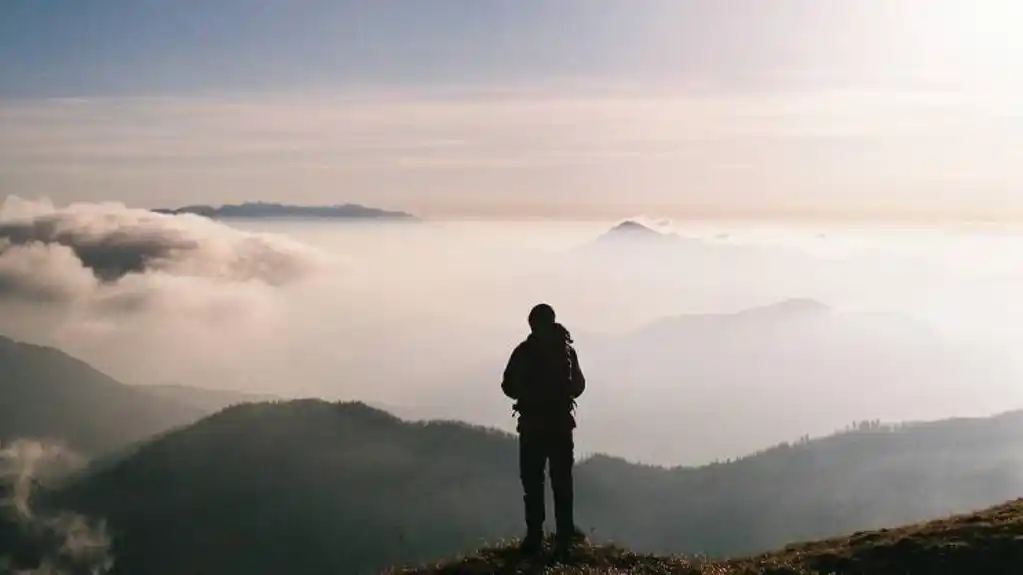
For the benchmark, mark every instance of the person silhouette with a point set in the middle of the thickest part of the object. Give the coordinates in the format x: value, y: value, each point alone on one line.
x: 544, y: 378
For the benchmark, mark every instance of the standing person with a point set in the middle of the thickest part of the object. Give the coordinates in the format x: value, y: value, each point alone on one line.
x: 544, y: 378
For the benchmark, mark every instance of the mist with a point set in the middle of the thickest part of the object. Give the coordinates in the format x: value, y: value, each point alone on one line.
x: 706, y: 341
x: 45, y: 542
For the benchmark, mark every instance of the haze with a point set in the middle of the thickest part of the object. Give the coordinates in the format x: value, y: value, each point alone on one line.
x: 888, y: 323
x: 850, y: 167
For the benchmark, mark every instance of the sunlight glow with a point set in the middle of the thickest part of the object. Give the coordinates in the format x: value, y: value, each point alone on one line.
x: 977, y: 42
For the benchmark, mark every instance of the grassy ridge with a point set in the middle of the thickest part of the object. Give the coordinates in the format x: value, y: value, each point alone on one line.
x: 986, y: 542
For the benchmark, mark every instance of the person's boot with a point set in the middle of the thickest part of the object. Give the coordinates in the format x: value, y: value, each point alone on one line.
x: 532, y: 543
x: 569, y: 537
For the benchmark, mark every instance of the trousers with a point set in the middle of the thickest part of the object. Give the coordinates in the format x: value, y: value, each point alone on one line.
x: 537, y: 449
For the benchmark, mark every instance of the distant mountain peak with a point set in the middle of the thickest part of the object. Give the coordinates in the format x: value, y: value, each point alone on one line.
x: 634, y: 227
x: 630, y: 225
x: 794, y: 306
x: 633, y: 231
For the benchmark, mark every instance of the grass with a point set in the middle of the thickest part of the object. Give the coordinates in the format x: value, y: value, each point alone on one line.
x: 986, y: 542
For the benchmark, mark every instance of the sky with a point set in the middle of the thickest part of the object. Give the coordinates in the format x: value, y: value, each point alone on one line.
x: 467, y: 108
x: 524, y: 115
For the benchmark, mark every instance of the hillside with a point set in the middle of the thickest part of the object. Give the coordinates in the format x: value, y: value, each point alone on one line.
x: 310, y: 486
x: 988, y: 542
x: 49, y: 395
x: 305, y: 487
x: 262, y: 210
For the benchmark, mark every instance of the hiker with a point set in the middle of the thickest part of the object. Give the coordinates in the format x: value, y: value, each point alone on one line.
x: 544, y: 378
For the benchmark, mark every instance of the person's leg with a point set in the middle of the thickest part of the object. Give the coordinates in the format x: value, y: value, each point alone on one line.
x: 532, y: 460
x: 562, y: 453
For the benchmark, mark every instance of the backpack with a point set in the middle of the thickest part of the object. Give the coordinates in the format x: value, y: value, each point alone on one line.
x: 548, y: 378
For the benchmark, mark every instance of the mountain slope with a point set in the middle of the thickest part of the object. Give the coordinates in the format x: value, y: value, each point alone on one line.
x: 47, y: 394
x: 303, y: 487
x: 309, y: 486
x: 988, y: 542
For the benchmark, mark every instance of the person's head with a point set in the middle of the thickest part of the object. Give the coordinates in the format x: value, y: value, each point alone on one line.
x: 541, y: 317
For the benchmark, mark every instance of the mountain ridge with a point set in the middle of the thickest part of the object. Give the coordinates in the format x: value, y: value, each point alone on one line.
x: 53, y: 396
x: 50, y: 395
x: 809, y: 356
x: 989, y: 541
x: 398, y: 492
x: 265, y: 210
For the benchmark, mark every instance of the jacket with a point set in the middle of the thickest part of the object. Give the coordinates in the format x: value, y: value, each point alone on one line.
x: 544, y: 378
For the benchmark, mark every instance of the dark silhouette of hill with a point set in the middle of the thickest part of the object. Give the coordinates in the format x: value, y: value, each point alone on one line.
x: 46, y: 394
x: 988, y: 542
x: 303, y: 487
x: 255, y: 210
x: 313, y: 487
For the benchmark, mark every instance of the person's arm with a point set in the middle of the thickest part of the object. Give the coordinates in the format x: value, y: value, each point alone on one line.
x: 578, y: 379
x: 512, y: 382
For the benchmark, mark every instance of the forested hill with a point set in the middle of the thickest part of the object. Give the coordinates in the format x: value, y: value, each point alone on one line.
x: 314, y: 487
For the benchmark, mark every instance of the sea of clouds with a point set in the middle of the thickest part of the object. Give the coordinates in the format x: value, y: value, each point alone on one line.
x: 104, y: 280
x: 117, y: 256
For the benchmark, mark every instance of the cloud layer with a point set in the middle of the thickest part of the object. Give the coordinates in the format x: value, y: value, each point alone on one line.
x: 147, y: 296
x: 115, y: 256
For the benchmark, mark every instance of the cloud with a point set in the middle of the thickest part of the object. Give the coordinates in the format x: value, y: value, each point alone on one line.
x: 123, y: 258
x: 42, y: 273
x: 114, y: 241
x: 52, y: 542
x: 150, y: 297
